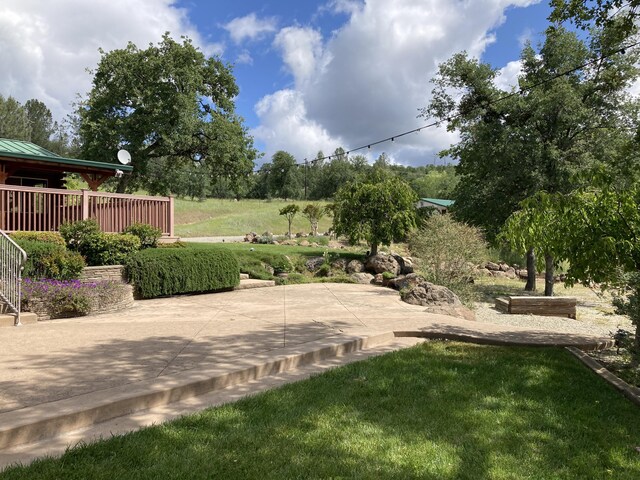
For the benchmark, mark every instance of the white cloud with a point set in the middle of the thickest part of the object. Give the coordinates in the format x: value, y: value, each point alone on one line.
x: 301, y: 51
x: 286, y: 126
x: 244, y: 58
x: 368, y: 80
x: 46, y: 47
x: 507, y: 77
x: 250, y: 27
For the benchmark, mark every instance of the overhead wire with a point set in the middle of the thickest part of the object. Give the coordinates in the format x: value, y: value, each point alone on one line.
x: 519, y: 91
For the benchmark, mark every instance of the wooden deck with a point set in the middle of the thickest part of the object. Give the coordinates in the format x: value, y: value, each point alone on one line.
x: 44, y: 209
x: 548, y: 306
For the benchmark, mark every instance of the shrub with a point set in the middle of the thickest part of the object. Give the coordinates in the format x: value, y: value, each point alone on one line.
x: 110, y: 248
x: 48, y: 237
x: 447, y: 251
x: 147, y: 234
x: 50, y: 260
x: 160, y: 272
x: 76, y: 234
x: 97, y: 247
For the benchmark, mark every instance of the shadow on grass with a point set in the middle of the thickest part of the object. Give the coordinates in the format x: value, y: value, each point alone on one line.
x: 441, y: 410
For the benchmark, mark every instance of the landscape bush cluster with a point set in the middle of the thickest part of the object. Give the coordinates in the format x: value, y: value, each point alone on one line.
x: 99, y: 248
x: 161, y: 272
x: 47, y: 256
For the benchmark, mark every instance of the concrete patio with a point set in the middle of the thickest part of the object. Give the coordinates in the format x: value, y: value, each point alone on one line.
x: 165, y: 350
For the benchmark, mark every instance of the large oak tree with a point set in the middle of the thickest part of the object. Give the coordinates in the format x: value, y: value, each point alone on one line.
x: 166, y: 102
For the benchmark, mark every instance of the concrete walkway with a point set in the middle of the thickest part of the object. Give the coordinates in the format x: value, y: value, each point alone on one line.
x: 169, y: 343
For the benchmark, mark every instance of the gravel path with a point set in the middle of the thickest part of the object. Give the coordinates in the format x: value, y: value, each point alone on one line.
x: 593, y: 317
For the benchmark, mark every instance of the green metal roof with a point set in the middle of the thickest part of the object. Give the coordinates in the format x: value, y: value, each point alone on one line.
x: 439, y: 201
x: 31, y: 151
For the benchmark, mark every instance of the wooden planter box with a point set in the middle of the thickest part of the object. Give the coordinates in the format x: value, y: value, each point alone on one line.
x: 549, y: 306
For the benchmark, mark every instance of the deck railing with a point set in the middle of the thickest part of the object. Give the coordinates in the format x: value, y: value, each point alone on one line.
x: 12, y: 260
x: 45, y: 209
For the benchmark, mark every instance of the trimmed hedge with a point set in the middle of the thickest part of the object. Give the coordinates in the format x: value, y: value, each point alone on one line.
x: 161, y: 272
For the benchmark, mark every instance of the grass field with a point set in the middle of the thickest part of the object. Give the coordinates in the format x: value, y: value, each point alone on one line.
x: 215, y: 217
x: 441, y: 410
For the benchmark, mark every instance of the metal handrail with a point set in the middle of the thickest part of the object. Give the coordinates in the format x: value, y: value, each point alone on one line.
x: 12, y: 260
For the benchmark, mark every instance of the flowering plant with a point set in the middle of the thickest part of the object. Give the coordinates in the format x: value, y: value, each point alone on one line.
x: 63, y: 298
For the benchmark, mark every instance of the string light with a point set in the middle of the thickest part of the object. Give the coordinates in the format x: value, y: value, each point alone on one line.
x: 521, y: 91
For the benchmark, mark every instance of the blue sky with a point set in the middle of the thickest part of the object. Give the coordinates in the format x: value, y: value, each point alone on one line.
x: 313, y: 75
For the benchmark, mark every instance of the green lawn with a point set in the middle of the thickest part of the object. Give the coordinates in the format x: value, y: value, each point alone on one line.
x: 215, y: 217
x: 437, y: 411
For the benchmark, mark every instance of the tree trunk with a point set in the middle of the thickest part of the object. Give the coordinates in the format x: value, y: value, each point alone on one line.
x: 374, y: 249
x: 634, y: 315
x: 531, y: 271
x: 123, y: 183
x: 548, y: 275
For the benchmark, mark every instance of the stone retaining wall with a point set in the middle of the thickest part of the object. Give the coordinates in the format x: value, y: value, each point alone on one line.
x: 114, y: 273
x: 120, y: 299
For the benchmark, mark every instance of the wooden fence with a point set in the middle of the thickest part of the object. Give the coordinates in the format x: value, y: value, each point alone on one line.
x: 45, y: 209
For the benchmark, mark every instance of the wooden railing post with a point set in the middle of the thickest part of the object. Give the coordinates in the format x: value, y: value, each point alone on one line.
x: 171, y: 217
x: 85, y: 204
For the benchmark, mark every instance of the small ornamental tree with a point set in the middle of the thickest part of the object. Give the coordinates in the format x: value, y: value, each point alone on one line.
x: 597, y: 230
x: 379, y: 212
x: 532, y: 225
x: 314, y: 214
x: 290, y: 212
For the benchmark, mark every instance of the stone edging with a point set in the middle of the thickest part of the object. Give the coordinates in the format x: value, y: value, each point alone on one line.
x: 629, y: 391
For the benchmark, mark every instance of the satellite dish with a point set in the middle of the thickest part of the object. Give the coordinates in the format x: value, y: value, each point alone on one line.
x: 124, y: 157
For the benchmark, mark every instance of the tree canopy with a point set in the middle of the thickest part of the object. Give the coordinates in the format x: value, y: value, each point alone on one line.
x: 379, y: 211
x: 537, y: 140
x: 167, y: 101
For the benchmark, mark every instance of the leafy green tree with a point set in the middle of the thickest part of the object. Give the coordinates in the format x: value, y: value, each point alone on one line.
x: 40, y: 122
x: 168, y: 101
x: 285, y: 178
x: 379, y: 211
x: 314, y: 214
x: 513, y: 148
x: 619, y: 15
x: 14, y: 122
x: 597, y: 230
x: 534, y: 226
x: 290, y: 211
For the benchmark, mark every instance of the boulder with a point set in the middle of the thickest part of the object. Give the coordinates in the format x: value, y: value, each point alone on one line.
x: 314, y: 263
x: 251, y: 237
x: 492, y: 266
x: 504, y: 267
x: 301, y: 235
x: 382, y: 262
x: 355, y: 266
x: 437, y: 299
x: 378, y: 279
x: 362, y: 278
x: 511, y: 273
x: 304, y: 243
x: 339, y: 264
x: 498, y: 273
x: 406, y: 282
x: 406, y: 264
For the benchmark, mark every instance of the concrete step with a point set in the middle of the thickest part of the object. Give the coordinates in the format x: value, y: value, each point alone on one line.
x: 8, y: 320
x: 51, y: 419
x: 254, y: 283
